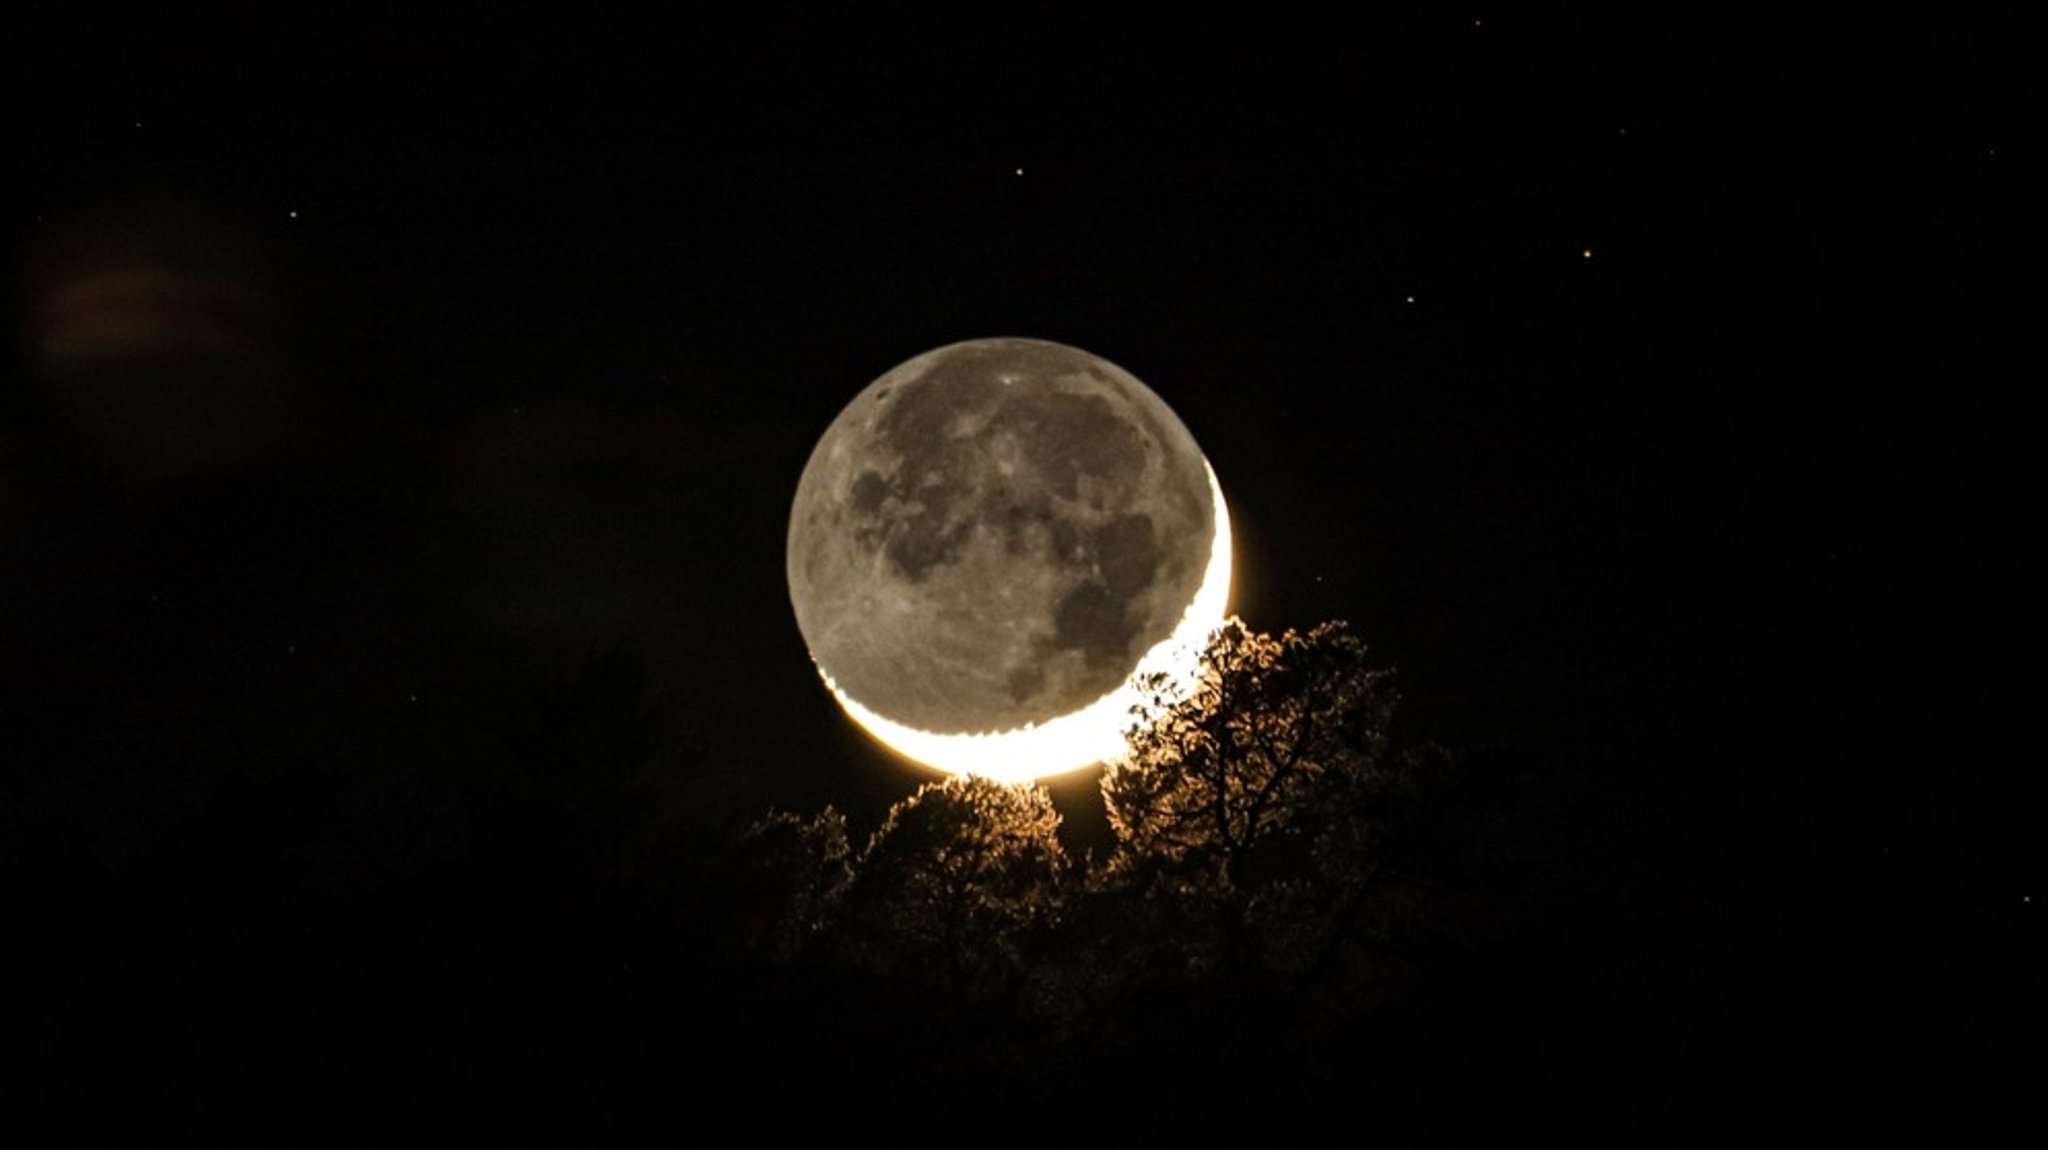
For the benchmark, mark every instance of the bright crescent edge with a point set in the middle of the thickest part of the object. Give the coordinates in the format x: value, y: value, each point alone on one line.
x: 1093, y: 734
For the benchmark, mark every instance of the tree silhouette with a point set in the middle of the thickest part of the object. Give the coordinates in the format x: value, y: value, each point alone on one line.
x: 922, y: 942
x: 944, y: 891
x: 792, y: 871
x: 1246, y: 821
x: 1269, y: 863
x: 953, y: 881
x: 1277, y: 737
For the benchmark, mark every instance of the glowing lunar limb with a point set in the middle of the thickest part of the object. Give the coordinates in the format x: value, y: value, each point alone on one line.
x: 1093, y: 734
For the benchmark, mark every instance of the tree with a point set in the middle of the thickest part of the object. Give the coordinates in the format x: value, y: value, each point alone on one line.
x: 1245, y: 815
x: 924, y: 942
x: 1275, y: 738
x: 1275, y: 874
x: 951, y: 883
x: 792, y: 871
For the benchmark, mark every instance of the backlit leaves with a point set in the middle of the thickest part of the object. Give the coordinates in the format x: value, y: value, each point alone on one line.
x: 1245, y: 772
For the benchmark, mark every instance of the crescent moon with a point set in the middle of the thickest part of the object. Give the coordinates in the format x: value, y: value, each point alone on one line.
x: 999, y: 551
x: 1094, y: 733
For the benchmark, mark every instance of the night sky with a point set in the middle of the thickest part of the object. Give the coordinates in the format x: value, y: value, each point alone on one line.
x: 401, y: 405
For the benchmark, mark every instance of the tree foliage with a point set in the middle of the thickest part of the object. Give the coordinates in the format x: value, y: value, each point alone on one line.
x: 953, y: 879
x: 1252, y: 826
x: 792, y: 871
x: 945, y: 889
x: 1275, y: 744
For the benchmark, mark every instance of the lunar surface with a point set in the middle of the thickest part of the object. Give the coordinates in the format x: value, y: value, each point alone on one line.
x: 990, y: 541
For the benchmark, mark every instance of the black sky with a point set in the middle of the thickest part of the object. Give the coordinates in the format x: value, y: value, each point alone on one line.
x: 1649, y: 393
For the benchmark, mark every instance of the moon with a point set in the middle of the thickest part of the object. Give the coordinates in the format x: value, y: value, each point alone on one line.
x: 993, y: 544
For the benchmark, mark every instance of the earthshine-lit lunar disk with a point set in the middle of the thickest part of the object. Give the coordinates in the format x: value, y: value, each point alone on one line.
x: 993, y: 543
